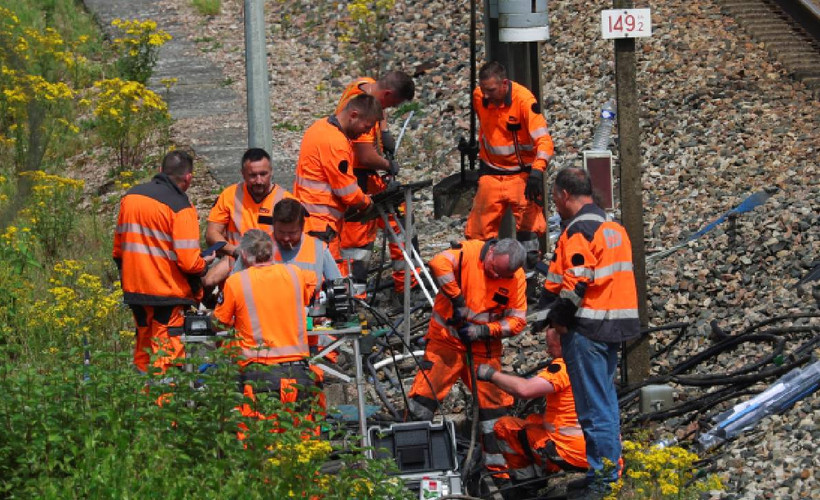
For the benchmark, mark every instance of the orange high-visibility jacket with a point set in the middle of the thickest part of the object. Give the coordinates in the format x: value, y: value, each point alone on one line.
x: 310, y: 258
x: 500, y: 303
x: 372, y: 136
x: 325, y: 183
x: 590, y: 281
x: 236, y: 209
x: 156, y: 245
x: 560, y: 419
x: 520, y: 115
x: 266, y: 305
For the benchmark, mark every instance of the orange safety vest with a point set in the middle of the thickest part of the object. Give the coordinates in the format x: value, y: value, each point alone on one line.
x: 266, y: 305
x: 518, y: 117
x: 156, y: 245
x: 237, y: 209
x: 325, y: 183
x: 499, y: 303
x: 310, y: 258
x: 592, y: 273
x: 560, y: 419
x: 372, y: 136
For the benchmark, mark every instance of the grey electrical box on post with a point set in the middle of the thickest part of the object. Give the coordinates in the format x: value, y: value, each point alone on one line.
x: 656, y: 398
x: 599, y: 166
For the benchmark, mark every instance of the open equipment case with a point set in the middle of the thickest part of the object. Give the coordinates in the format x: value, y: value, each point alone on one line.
x: 422, y: 451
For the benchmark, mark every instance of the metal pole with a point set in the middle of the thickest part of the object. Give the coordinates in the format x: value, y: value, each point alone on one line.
x: 637, y: 352
x: 408, y: 243
x: 357, y: 353
x: 256, y: 77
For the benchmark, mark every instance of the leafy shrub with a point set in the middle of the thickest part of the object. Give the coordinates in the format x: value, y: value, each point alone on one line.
x: 52, y: 208
x: 98, y: 433
x: 138, y: 48
x: 366, y: 32
x: 129, y: 117
x: 661, y: 472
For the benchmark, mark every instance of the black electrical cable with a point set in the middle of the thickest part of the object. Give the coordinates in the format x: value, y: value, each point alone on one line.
x: 379, y: 315
x: 734, y: 384
x: 380, y: 390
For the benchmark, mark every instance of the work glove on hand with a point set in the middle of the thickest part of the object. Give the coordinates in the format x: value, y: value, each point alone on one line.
x: 485, y: 372
x: 535, y: 187
x: 460, y: 311
x: 388, y: 143
x: 393, y: 169
x: 473, y: 332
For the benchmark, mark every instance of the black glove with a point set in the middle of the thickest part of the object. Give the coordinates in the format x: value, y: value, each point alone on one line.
x: 485, y: 372
x: 460, y: 311
x: 388, y: 143
x: 473, y: 332
x: 535, y: 187
x: 394, y: 167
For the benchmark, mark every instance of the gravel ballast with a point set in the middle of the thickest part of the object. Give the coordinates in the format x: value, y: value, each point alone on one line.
x: 719, y: 120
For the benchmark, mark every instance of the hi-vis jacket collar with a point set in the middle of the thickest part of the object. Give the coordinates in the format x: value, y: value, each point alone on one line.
x: 486, y: 248
x: 507, y: 99
x: 335, y: 122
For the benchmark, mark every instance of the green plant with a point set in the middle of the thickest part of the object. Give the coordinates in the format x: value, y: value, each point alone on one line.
x: 98, y: 432
x: 208, y: 7
x: 138, y: 48
x: 654, y: 472
x: 52, y: 208
x: 366, y: 32
x: 129, y: 117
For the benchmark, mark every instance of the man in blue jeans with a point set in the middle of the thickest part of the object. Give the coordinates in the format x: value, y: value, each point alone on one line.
x: 593, y: 305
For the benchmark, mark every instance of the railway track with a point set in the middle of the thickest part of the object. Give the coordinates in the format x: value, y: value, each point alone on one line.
x: 790, y: 30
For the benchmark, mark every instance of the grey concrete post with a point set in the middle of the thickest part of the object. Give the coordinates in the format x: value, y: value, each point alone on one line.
x: 256, y: 77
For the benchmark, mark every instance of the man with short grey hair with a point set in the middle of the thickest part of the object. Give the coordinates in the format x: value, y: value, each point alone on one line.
x: 482, y: 300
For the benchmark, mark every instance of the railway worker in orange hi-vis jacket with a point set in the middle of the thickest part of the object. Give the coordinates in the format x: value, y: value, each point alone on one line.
x: 325, y: 183
x: 156, y: 248
x: 265, y: 303
x: 243, y: 206
x: 592, y: 300
x: 515, y: 149
x: 373, y: 155
x: 542, y: 443
x: 482, y: 300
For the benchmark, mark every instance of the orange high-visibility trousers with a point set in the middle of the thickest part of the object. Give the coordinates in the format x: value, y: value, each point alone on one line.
x: 495, y: 194
x: 152, y: 336
x: 441, y: 367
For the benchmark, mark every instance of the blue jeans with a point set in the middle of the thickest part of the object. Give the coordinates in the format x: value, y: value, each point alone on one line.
x: 591, y: 366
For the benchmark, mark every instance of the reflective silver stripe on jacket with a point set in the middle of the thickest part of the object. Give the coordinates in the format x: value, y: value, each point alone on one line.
x: 602, y: 315
x: 131, y: 227
x: 495, y: 459
x: 555, y: 278
x: 572, y: 296
x: 567, y: 430
x: 273, y: 352
x: 611, y: 269
x: 315, y: 208
x: 186, y: 243
x: 128, y: 246
x: 238, y: 199
x: 444, y: 278
x: 516, y: 313
x: 582, y: 272
x: 539, y: 132
x: 250, y: 303
x: 315, y: 265
x: 585, y: 217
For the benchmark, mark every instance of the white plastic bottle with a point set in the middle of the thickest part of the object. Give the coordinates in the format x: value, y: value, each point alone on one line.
x: 600, y: 141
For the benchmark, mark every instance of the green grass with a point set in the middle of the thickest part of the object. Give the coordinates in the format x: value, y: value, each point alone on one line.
x: 208, y: 7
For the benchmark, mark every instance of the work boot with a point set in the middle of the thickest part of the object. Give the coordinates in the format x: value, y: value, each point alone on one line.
x: 579, y: 484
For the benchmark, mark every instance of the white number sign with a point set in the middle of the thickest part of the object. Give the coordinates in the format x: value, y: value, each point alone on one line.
x: 626, y: 23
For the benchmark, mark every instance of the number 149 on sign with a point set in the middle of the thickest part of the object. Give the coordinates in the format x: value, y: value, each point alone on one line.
x: 626, y: 23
